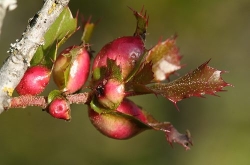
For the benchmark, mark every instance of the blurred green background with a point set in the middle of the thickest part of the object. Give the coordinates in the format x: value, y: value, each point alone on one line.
x: 220, y: 126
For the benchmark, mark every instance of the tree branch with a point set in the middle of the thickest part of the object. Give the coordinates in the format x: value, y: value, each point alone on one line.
x: 6, y: 5
x: 22, y: 51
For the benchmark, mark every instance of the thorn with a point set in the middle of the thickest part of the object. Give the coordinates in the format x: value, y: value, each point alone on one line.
x: 132, y: 9
x: 224, y: 71
x: 214, y: 94
x: 160, y: 40
x: 171, y: 144
x: 78, y: 28
x: 52, y: 60
x: 89, y: 20
x: 77, y: 14
x: 208, y: 61
x: 142, y: 9
x: 175, y: 104
x: 174, y: 37
x: 145, y: 14
x: 227, y: 84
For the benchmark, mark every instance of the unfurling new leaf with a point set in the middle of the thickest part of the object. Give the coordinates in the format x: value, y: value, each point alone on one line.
x: 165, y: 59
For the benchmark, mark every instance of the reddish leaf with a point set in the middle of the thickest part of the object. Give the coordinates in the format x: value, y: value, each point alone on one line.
x: 139, y: 89
x: 140, y: 79
x: 203, y: 80
x: 145, y: 75
x: 165, y: 59
x: 172, y: 135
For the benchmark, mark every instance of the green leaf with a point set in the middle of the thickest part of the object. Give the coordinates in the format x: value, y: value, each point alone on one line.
x: 97, y: 107
x: 203, y: 80
x: 87, y: 32
x: 64, y: 26
x: 45, y: 57
x: 99, y: 73
x: 113, y: 70
x: 142, y: 23
x: 53, y: 94
x: 165, y: 59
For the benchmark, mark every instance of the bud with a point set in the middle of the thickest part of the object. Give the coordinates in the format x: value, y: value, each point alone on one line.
x: 130, y: 108
x: 124, y: 123
x: 125, y: 51
x: 59, y: 108
x: 110, y: 93
x: 34, y: 81
x: 71, y: 69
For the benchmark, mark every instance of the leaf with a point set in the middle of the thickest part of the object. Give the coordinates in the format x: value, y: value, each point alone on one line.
x: 97, y: 107
x: 203, y: 80
x: 98, y: 73
x: 172, y: 135
x: 64, y: 26
x: 142, y: 23
x: 113, y: 70
x: 139, y: 89
x: 53, y: 94
x: 165, y: 59
x: 145, y: 75
x: 87, y: 32
x: 138, y: 84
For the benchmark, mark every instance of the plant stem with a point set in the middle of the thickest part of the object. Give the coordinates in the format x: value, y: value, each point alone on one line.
x: 42, y: 101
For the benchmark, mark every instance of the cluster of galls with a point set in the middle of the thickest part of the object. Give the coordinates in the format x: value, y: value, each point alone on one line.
x: 113, y: 67
x: 108, y: 106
